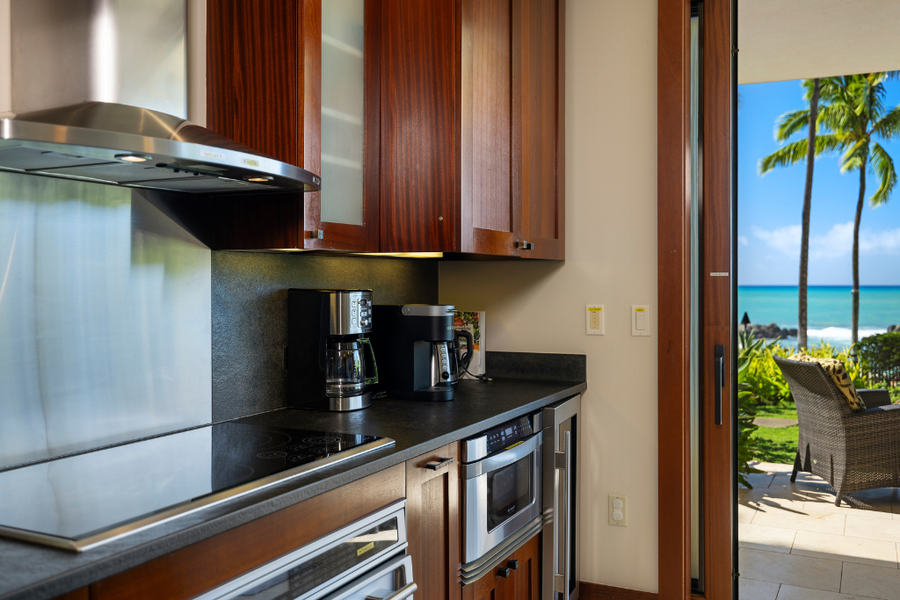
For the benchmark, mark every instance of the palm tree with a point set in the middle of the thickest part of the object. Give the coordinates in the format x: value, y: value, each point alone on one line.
x: 787, y: 126
x: 855, y: 112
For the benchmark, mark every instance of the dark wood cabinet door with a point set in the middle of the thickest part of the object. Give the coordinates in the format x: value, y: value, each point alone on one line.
x: 264, y: 89
x: 318, y: 232
x: 253, y: 75
x: 526, y: 579
x: 538, y: 85
x: 420, y: 132
x: 516, y: 577
x: 433, y: 528
x: 489, y: 207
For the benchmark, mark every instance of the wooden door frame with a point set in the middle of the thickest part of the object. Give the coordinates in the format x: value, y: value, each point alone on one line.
x: 673, y: 301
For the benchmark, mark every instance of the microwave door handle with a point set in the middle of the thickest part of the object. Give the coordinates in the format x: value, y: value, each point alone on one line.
x: 505, y: 458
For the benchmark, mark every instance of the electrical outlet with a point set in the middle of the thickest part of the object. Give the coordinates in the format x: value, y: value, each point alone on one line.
x: 618, y: 510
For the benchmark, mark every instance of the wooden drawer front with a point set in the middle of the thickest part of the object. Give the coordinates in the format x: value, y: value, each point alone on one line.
x: 523, y: 583
x: 207, y: 564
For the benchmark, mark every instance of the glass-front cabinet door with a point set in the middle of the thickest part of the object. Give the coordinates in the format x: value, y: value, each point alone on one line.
x: 341, y: 89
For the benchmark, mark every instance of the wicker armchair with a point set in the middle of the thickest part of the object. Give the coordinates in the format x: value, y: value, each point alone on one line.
x: 852, y: 451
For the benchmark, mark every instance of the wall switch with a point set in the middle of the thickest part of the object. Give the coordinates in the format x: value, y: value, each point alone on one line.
x: 618, y: 510
x: 640, y: 320
x: 594, y: 322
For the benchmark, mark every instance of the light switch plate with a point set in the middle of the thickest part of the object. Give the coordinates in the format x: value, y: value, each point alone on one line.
x: 640, y: 320
x: 594, y: 321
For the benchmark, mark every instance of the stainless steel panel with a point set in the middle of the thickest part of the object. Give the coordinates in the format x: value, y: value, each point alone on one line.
x: 350, y: 312
x: 256, y: 577
x: 101, y: 79
x: 105, y: 319
x: 127, y: 130
x: 123, y: 51
x: 427, y: 310
x: 476, y: 448
x: 560, y: 501
x: 393, y: 581
x: 505, y: 458
x: 477, y: 538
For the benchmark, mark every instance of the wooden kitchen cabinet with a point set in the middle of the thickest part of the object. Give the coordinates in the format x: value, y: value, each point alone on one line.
x: 472, y: 127
x: 266, y: 88
x: 433, y: 525
x: 517, y: 577
x: 205, y: 565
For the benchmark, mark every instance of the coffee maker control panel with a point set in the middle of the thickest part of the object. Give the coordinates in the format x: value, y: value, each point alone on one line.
x: 351, y: 312
x: 365, y: 312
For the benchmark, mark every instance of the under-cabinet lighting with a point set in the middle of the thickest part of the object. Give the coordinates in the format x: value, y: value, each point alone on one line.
x: 259, y: 178
x: 133, y: 158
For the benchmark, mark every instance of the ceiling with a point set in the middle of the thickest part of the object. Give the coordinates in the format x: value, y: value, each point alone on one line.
x: 783, y: 40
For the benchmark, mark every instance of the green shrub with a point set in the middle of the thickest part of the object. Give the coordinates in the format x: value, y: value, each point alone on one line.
x: 747, y: 401
x: 765, y: 378
x: 880, y: 355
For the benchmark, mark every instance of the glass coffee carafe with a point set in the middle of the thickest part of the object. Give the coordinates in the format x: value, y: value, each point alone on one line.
x: 345, y: 367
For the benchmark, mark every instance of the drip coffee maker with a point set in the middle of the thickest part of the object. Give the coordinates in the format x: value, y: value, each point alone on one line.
x: 326, y: 353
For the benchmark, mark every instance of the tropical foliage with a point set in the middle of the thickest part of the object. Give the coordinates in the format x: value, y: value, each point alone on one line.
x: 747, y: 401
x: 763, y: 391
x: 880, y: 359
x: 851, y: 118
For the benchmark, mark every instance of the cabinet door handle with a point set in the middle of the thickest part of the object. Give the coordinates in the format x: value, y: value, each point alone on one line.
x: 317, y: 234
x: 503, y: 572
x: 524, y: 245
x: 440, y: 464
x: 513, y: 564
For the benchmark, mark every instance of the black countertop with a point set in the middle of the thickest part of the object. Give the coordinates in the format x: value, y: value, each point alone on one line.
x: 37, y: 572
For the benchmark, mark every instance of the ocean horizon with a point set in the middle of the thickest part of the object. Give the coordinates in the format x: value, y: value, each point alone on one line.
x: 828, y: 312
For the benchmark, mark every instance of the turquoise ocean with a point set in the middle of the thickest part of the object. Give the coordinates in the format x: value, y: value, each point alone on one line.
x: 828, y: 310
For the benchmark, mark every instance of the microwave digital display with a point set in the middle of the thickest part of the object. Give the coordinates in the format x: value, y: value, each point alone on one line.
x: 507, y: 434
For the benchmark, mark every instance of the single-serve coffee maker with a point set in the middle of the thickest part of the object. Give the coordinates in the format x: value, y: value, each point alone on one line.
x: 327, y: 341
x: 417, y: 345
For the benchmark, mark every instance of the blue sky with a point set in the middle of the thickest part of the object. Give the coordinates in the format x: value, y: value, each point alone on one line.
x: 770, y: 207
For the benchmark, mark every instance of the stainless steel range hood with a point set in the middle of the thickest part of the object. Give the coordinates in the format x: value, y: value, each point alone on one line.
x: 94, y: 90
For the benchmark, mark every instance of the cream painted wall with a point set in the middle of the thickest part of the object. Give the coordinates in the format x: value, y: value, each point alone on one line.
x: 610, y: 260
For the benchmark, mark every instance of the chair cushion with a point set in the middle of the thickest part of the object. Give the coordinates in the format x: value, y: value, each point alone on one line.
x: 839, y: 376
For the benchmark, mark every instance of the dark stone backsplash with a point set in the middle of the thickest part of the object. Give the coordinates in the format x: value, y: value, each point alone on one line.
x: 249, y: 314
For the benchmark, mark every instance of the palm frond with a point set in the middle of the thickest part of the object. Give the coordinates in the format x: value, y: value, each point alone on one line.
x: 855, y: 156
x: 829, y: 142
x: 790, y: 123
x: 887, y: 176
x: 785, y: 156
x: 889, y: 125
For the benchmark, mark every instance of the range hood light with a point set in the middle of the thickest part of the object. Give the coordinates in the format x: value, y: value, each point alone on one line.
x: 259, y: 178
x: 133, y: 158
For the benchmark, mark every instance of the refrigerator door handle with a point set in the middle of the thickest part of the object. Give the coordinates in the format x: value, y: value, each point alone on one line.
x: 564, y: 464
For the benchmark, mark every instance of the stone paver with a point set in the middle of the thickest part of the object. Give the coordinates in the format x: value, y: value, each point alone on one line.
x: 796, y: 543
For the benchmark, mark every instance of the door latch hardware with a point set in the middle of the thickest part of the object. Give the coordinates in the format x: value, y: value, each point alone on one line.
x: 560, y: 460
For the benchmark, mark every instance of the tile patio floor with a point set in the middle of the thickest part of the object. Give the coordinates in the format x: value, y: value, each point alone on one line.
x: 795, y: 544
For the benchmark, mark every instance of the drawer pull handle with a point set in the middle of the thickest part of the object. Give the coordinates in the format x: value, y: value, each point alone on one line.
x: 503, y: 572
x: 440, y: 464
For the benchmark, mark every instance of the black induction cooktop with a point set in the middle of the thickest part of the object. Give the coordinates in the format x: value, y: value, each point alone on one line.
x: 78, y: 502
